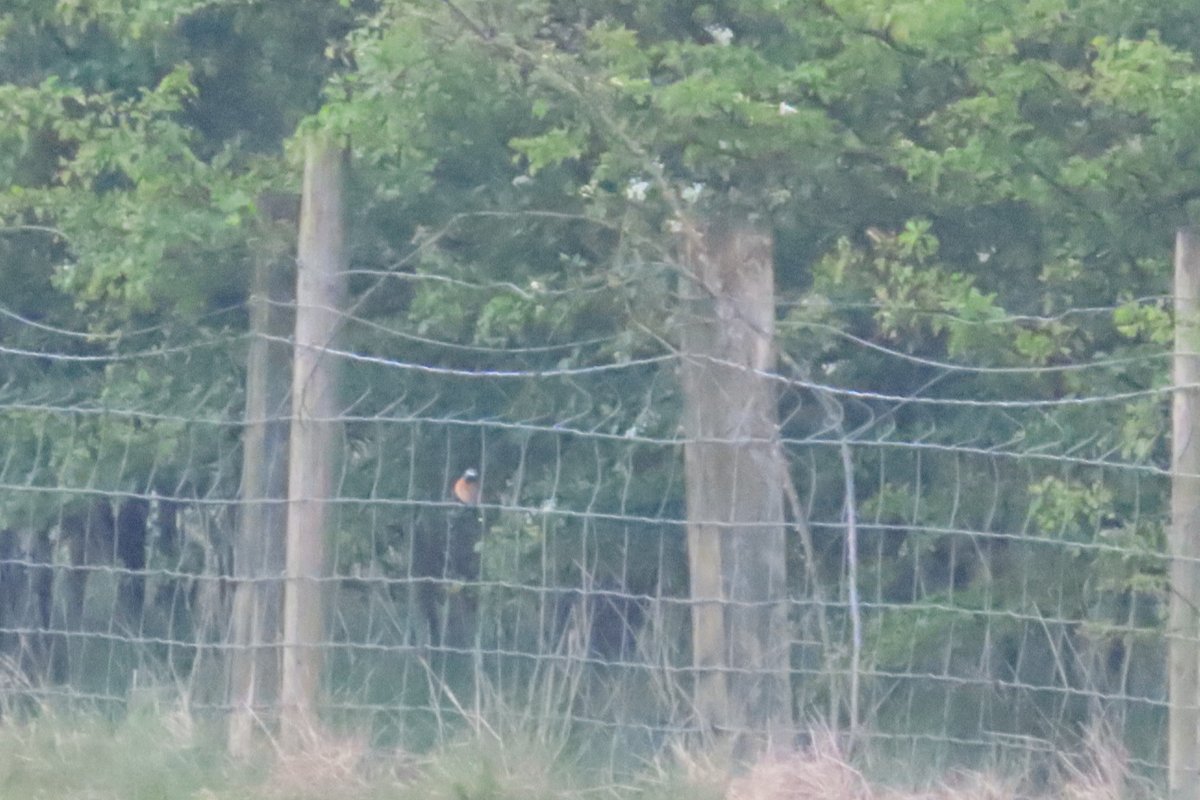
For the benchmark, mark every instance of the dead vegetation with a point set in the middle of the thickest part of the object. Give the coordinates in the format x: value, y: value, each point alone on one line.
x: 822, y: 772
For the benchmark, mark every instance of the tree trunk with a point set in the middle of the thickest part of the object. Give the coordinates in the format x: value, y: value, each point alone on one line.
x: 319, y: 291
x: 1184, y: 541
x: 258, y: 549
x: 736, y: 539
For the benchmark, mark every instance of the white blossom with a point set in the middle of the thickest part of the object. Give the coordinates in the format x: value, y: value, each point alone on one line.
x: 720, y: 34
x: 692, y: 193
x: 636, y: 190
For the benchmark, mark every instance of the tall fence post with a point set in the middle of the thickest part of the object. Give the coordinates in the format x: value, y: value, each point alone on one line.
x: 736, y: 540
x: 258, y: 547
x: 319, y: 289
x: 1184, y: 540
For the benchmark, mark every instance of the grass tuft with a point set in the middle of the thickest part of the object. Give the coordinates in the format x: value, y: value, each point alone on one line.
x: 820, y: 772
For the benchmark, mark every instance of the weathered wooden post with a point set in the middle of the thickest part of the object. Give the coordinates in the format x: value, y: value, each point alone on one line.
x: 258, y: 547
x: 736, y: 539
x: 319, y: 290
x: 1183, y: 747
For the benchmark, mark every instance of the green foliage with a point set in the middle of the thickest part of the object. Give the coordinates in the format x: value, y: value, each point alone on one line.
x: 146, y: 756
x: 550, y: 148
x: 1144, y: 321
x: 1070, y: 511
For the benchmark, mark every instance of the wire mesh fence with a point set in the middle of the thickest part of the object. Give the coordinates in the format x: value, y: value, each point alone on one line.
x: 988, y: 584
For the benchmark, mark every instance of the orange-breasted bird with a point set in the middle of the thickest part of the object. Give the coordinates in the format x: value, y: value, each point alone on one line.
x: 466, y: 488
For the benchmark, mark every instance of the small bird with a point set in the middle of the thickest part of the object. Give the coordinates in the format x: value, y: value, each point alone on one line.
x: 466, y: 488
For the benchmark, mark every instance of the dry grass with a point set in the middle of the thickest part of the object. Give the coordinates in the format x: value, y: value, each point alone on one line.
x: 1102, y: 773
x: 822, y: 772
x: 325, y: 766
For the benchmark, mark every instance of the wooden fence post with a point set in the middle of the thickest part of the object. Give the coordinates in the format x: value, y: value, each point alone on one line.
x: 736, y: 538
x: 1183, y: 748
x: 258, y: 547
x: 319, y: 289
